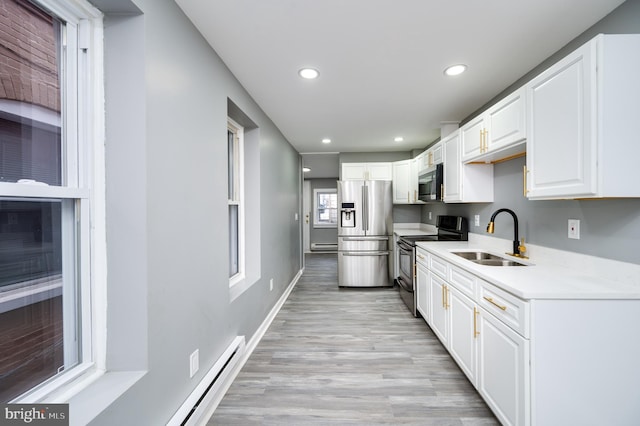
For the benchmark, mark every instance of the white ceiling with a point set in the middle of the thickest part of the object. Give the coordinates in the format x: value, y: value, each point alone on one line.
x: 381, y: 62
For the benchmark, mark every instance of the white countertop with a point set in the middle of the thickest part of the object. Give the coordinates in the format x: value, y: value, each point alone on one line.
x: 551, y: 274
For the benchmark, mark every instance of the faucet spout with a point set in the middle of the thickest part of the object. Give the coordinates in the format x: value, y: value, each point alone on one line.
x: 490, y: 228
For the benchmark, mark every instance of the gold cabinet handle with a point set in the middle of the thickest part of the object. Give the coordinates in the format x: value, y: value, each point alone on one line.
x: 414, y: 271
x: 475, y: 322
x: 442, y: 191
x: 490, y: 300
x: 486, y: 140
x: 415, y: 195
x: 420, y: 257
x: 446, y: 297
x: 524, y: 180
x: 408, y: 196
x: 443, y: 303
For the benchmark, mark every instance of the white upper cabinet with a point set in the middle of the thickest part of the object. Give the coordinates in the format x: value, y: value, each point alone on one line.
x: 498, y: 133
x: 367, y: 171
x: 430, y: 157
x: 405, y: 182
x: 581, y: 113
x: 464, y: 183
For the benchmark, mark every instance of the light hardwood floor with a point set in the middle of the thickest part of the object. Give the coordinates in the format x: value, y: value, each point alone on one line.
x: 349, y: 357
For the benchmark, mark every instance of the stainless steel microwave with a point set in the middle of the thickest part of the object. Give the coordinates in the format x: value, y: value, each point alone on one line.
x: 431, y: 184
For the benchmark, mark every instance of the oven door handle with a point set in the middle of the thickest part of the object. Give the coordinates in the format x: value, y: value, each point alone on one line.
x: 404, y: 285
x: 404, y: 246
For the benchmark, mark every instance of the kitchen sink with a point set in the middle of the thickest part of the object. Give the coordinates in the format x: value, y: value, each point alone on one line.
x: 488, y: 259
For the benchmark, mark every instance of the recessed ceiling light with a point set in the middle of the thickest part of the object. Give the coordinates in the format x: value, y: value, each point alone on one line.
x: 398, y: 139
x: 455, y: 69
x: 306, y: 169
x: 326, y: 140
x: 309, y: 73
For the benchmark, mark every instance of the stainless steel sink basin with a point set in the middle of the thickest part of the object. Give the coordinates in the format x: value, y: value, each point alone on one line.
x: 488, y: 259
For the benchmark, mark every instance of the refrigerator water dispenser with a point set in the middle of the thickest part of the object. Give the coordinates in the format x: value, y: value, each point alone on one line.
x: 347, y: 215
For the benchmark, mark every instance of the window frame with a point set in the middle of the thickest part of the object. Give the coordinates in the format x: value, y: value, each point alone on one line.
x: 83, y: 183
x: 237, y: 199
x: 316, y: 211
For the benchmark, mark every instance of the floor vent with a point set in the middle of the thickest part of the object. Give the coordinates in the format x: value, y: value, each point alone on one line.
x: 209, y: 392
x: 324, y: 246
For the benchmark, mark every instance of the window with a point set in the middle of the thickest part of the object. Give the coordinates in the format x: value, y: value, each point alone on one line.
x: 45, y: 194
x: 325, y: 206
x: 235, y: 163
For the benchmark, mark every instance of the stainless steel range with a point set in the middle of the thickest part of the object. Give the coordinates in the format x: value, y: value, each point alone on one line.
x: 450, y: 228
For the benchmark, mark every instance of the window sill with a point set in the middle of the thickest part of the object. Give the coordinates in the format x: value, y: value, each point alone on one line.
x: 94, y: 392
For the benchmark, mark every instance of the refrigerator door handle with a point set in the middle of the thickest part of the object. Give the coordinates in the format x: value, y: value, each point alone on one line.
x: 366, y: 253
x: 365, y: 208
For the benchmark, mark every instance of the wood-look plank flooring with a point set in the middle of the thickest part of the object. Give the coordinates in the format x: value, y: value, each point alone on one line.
x: 337, y: 356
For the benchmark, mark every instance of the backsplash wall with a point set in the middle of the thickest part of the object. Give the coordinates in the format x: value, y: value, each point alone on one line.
x: 609, y: 228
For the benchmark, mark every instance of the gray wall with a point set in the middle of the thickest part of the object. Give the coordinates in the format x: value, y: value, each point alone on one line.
x: 406, y: 213
x: 608, y: 228
x: 168, y: 291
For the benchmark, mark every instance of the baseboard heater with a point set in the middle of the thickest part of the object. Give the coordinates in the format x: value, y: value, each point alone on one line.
x: 209, y: 392
x: 324, y: 247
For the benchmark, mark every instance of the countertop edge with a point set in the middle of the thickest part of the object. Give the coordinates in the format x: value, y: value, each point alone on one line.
x: 537, y: 281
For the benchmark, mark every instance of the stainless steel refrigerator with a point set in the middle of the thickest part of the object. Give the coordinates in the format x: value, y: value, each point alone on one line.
x: 365, y: 227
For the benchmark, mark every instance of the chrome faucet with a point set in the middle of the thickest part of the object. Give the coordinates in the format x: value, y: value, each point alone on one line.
x: 518, y: 249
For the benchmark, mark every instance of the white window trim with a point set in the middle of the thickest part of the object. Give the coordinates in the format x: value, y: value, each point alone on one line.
x: 239, y: 278
x: 316, y: 217
x: 85, y: 181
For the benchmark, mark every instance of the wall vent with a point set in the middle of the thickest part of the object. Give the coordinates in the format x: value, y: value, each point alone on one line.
x: 209, y: 392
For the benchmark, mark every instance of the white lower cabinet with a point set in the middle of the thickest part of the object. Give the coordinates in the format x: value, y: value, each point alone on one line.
x: 485, y: 331
x: 422, y: 288
x: 535, y: 361
x: 439, y: 308
x: 463, y: 333
x: 503, y: 370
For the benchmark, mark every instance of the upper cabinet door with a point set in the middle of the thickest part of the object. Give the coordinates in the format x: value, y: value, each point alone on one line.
x: 472, y: 138
x: 402, y: 188
x: 498, y: 133
x: 506, y: 121
x: 367, y: 171
x: 561, y: 148
x: 354, y: 171
x: 380, y: 171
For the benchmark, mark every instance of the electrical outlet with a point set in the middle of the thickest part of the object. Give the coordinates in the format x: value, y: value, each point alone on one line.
x: 574, y: 229
x: 271, y: 284
x: 476, y: 220
x: 194, y: 363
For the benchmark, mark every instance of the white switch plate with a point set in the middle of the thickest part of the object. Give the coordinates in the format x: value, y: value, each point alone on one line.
x: 429, y: 215
x: 574, y: 229
x: 271, y: 284
x: 194, y: 363
x: 476, y: 220
x: 295, y: 217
